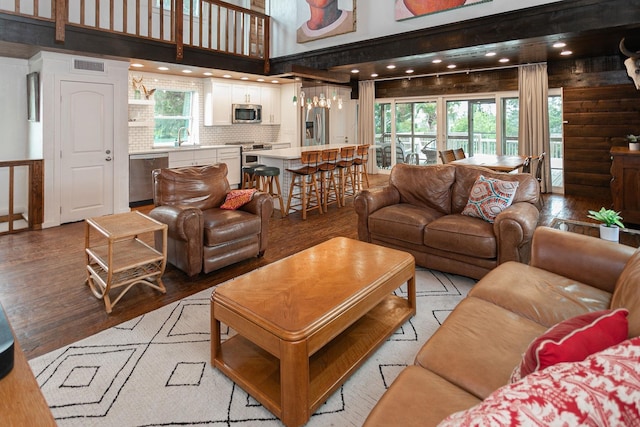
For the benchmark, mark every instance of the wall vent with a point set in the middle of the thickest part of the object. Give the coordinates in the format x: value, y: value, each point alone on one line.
x: 84, y: 65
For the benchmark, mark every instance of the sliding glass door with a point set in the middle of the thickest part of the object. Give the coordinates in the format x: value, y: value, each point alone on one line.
x: 414, y: 130
x: 471, y: 125
x: 406, y: 132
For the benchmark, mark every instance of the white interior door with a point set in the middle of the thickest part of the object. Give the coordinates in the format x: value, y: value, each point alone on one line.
x: 87, y: 150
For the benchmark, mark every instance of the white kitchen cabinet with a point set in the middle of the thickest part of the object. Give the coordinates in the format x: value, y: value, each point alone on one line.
x: 231, y: 156
x: 245, y: 94
x: 195, y: 157
x: 270, y: 98
x: 209, y: 156
x: 217, y: 103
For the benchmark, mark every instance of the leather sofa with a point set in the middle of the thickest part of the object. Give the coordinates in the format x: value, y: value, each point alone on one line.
x: 201, y: 236
x: 474, y: 351
x: 419, y: 211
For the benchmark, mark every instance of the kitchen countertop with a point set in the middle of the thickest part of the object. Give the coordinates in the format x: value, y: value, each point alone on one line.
x: 294, y: 152
x: 169, y: 149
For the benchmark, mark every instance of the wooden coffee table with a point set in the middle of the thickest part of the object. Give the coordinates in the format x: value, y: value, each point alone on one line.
x: 307, y: 322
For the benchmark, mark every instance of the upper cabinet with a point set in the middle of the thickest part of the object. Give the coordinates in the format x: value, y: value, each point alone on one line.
x: 245, y: 94
x: 270, y: 98
x: 217, y: 103
x: 219, y: 95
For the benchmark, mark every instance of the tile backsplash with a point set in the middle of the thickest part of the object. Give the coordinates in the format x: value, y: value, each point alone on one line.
x: 141, y: 137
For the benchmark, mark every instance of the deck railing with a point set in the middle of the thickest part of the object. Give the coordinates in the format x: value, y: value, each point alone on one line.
x: 205, y: 24
x: 22, y: 199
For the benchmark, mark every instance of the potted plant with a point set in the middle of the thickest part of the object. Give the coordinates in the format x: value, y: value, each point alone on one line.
x: 634, y: 142
x: 611, y: 222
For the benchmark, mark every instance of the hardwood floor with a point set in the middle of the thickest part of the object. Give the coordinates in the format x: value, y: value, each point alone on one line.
x: 42, y: 273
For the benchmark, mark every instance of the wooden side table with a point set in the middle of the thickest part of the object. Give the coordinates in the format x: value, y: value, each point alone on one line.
x: 118, y: 257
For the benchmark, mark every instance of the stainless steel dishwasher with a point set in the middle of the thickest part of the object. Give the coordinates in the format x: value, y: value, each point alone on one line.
x: 140, y: 181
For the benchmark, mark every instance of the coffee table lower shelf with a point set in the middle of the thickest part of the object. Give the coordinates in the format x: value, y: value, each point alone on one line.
x: 258, y: 372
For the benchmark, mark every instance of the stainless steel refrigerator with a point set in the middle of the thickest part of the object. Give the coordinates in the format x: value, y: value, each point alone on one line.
x: 316, y: 127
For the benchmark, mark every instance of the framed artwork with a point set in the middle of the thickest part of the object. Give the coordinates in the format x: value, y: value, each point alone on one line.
x: 33, y: 97
x: 412, y: 8
x: 318, y: 19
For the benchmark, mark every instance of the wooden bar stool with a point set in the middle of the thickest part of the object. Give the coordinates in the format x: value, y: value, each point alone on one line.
x: 265, y: 177
x: 304, y: 178
x: 248, y: 178
x: 328, y: 183
x: 345, y: 173
x: 360, y: 165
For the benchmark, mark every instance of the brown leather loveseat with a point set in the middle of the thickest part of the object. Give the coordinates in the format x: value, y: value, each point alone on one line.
x: 470, y: 358
x: 201, y: 236
x: 420, y: 211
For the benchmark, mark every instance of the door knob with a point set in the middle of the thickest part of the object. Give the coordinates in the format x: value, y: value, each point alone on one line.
x: 108, y: 159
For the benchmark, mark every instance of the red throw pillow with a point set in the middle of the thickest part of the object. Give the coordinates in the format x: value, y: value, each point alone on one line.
x: 238, y: 198
x: 573, y: 340
x: 602, y: 390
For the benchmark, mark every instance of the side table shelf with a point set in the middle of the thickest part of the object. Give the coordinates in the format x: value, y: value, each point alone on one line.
x: 125, y: 259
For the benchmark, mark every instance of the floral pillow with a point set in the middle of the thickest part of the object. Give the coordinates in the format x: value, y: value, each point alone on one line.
x: 489, y: 197
x: 602, y: 390
x: 573, y: 340
x: 238, y: 198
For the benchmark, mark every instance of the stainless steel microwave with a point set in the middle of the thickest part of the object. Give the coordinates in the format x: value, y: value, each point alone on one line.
x: 246, y: 113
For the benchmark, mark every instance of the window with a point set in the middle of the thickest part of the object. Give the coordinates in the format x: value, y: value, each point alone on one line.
x: 173, y: 111
x: 471, y: 125
x: 413, y: 136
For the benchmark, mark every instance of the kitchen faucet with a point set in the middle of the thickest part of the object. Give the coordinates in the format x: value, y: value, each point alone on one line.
x: 180, y: 141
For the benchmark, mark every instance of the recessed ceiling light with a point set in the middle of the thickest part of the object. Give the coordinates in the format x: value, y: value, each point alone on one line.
x: 226, y: 76
x: 490, y: 54
x: 566, y: 52
x: 244, y: 78
x: 207, y: 73
x: 451, y: 66
x: 437, y: 61
x: 261, y: 79
x: 409, y: 71
x: 374, y: 75
x: 503, y: 60
x: 355, y: 71
x: 187, y: 71
x: 274, y: 81
x: 163, y: 68
x: 391, y: 66
x: 136, y: 65
x: 558, y: 45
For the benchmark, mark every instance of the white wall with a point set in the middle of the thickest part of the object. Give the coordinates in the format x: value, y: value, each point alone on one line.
x: 13, y: 108
x: 374, y: 18
x: 14, y: 125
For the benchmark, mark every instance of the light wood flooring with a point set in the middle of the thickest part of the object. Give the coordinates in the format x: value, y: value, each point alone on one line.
x: 42, y: 273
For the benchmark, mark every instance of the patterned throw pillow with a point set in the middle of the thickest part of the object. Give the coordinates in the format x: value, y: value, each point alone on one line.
x: 602, y: 390
x: 238, y: 198
x: 489, y: 197
x: 573, y: 340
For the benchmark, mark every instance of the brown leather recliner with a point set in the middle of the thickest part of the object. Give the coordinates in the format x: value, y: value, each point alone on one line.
x: 420, y: 212
x: 201, y: 236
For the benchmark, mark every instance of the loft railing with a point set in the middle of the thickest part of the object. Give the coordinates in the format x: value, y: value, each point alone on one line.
x: 22, y: 199
x: 206, y: 24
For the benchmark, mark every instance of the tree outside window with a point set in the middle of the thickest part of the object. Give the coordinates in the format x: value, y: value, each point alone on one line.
x: 173, y: 110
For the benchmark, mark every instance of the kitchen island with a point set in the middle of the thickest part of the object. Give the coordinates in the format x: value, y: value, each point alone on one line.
x: 289, y: 158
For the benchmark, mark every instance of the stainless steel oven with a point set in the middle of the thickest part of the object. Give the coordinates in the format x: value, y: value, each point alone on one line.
x: 246, y: 148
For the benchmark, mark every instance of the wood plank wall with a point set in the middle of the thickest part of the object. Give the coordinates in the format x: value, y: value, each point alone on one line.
x: 596, y: 118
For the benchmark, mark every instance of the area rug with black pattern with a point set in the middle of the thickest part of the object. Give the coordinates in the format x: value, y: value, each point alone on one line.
x: 154, y: 370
